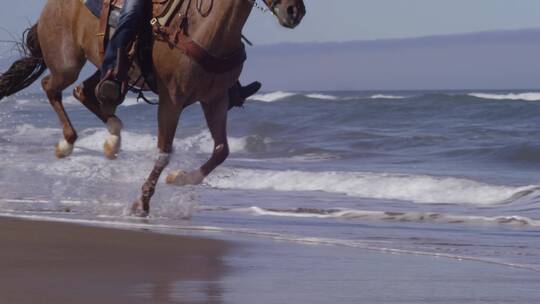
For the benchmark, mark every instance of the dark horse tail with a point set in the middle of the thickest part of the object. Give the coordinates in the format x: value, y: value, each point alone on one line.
x: 24, y: 71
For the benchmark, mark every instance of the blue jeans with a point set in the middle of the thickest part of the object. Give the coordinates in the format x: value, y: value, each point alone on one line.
x: 133, y: 17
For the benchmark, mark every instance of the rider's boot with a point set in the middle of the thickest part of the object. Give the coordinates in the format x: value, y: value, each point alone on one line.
x: 112, y: 88
x: 238, y: 94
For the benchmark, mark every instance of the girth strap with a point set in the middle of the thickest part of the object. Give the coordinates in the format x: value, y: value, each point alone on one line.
x: 206, y: 60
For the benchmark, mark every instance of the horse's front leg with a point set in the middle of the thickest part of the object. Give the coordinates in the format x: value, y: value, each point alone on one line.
x: 168, y: 116
x: 85, y: 94
x: 216, y: 117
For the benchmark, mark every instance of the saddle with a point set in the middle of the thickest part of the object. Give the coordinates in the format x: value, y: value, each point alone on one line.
x: 169, y: 24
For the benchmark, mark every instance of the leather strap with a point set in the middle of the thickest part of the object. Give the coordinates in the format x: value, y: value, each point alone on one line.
x: 104, y: 27
x: 206, y: 60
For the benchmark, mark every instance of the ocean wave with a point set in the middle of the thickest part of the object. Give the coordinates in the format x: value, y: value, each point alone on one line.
x: 29, y: 130
x: 383, y: 96
x: 203, y: 143
x: 321, y: 96
x: 272, y: 97
x: 405, y: 187
x: 282, y: 95
x: 531, y: 96
x: 128, y: 101
x: 30, y: 134
x: 351, y: 214
x: 92, y: 139
x: 198, y: 143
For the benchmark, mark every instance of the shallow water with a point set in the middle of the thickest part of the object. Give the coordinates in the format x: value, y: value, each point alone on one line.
x: 450, y: 174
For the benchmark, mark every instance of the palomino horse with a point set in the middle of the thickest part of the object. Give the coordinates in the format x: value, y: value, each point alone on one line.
x: 65, y: 38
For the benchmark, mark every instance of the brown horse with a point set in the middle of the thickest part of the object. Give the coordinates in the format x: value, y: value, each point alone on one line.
x: 65, y: 38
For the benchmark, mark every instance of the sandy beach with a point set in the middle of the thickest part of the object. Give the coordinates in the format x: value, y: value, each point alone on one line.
x: 47, y: 262
x: 44, y: 262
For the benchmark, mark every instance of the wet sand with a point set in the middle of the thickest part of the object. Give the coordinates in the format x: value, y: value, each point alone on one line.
x: 44, y: 262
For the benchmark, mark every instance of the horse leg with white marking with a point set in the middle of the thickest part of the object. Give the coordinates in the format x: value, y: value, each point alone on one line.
x: 85, y: 93
x: 215, y: 113
x: 168, y: 117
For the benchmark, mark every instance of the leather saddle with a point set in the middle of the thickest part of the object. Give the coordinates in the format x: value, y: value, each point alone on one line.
x: 141, y: 72
x: 162, y: 10
x: 167, y: 24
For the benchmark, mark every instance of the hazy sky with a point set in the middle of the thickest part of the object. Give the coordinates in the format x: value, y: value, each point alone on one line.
x: 338, y: 20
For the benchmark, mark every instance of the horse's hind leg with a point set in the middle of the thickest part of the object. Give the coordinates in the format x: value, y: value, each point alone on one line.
x: 216, y: 118
x: 85, y: 94
x: 53, y: 85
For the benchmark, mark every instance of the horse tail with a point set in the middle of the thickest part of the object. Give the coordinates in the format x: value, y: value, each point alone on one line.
x: 26, y: 70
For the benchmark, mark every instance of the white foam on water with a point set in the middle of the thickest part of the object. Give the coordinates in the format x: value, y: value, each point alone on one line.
x: 28, y: 130
x: 531, y: 96
x: 322, y: 96
x: 351, y: 214
x: 72, y: 101
x: 271, y: 97
x: 130, y: 101
x: 382, y: 96
x: 97, y: 168
x: 23, y: 102
x: 203, y: 143
x: 27, y: 133
x: 133, y: 142
x: 138, y: 142
x: 406, y: 187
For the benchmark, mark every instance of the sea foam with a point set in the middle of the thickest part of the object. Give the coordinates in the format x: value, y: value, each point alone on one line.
x: 272, y: 97
x: 382, y: 96
x: 531, y: 96
x: 405, y: 187
x: 140, y: 142
x: 353, y: 214
x: 321, y: 96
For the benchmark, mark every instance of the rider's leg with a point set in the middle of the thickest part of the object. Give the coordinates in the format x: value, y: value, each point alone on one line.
x: 133, y: 17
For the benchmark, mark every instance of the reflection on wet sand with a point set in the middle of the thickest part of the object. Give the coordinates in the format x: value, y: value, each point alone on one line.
x: 62, y: 263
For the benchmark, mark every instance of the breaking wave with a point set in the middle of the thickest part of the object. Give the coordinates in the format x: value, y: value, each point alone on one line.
x: 382, y: 96
x: 531, y: 96
x: 282, y: 95
x: 271, y: 97
x: 128, y: 101
x: 198, y: 143
x: 351, y: 214
x: 391, y: 186
x: 322, y: 96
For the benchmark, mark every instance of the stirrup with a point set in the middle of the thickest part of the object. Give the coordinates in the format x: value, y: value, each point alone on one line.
x: 109, y: 92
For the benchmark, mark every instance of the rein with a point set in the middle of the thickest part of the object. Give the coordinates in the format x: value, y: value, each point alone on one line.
x: 267, y: 7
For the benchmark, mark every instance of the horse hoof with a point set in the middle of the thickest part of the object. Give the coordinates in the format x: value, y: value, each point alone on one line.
x: 137, y: 209
x: 111, y: 147
x: 182, y: 178
x: 63, y: 149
